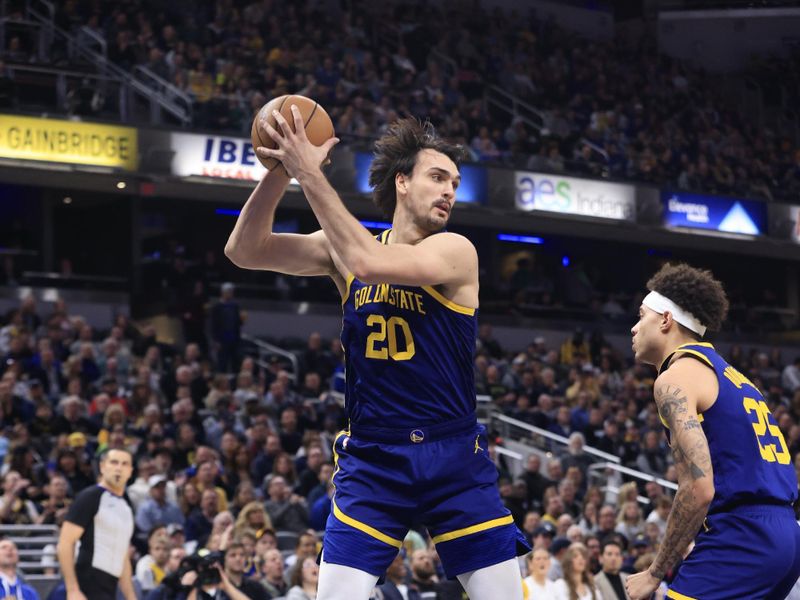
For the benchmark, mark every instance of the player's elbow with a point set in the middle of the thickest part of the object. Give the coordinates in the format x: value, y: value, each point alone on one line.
x: 365, y: 271
x: 243, y: 258
x: 703, y: 492
x: 232, y: 254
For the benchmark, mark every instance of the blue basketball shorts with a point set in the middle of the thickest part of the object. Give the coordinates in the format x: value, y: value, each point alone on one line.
x: 441, y: 477
x: 751, y: 552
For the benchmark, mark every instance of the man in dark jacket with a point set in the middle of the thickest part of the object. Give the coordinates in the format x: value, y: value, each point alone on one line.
x: 226, y: 328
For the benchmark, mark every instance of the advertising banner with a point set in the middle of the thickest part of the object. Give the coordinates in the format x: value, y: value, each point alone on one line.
x: 714, y: 213
x: 574, y: 196
x: 214, y: 156
x: 73, y: 142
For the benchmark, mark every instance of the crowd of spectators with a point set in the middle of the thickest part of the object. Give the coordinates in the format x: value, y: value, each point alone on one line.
x: 614, y: 109
x: 232, y: 456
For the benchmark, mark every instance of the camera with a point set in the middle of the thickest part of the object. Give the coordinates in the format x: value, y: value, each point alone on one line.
x: 207, y: 572
x: 204, y: 564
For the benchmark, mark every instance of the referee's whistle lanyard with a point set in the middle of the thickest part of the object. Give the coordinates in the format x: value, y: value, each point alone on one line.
x: 7, y: 588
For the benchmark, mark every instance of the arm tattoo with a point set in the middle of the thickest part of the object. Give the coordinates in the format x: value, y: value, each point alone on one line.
x: 692, y: 462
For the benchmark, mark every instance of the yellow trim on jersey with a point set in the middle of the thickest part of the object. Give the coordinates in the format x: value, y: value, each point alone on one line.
x: 356, y: 524
x: 385, y: 236
x: 452, y: 535
x: 704, y: 344
x: 348, y: 282
x: 371, y: 531
x: 699, y: 355
x: 677, y: 595
x: 464, y: 310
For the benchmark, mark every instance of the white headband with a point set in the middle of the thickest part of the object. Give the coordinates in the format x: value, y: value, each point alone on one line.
x: 661, y: 304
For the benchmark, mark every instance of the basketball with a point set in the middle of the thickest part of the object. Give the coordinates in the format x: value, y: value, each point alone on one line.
x: 318, y: 125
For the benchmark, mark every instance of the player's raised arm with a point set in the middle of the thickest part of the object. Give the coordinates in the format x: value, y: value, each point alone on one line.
x: 419, y: 260
x: 676, y: 392
x: 253, y: 245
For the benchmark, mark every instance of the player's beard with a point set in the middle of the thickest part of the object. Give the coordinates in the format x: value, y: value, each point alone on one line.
x: 430, y: 222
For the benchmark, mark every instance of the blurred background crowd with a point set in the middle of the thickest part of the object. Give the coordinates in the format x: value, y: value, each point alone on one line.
x: 232, y: 453
x: 615, y: 109
x: 229, y: 455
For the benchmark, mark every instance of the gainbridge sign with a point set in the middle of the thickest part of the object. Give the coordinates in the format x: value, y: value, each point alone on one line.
x: 72, y: 142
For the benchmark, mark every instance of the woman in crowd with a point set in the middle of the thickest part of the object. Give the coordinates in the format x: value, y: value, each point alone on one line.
x: 630, y: 522
x: 304, y: 581
x: 578, y: 582
x: 536, y: 585
x: 252, y: 516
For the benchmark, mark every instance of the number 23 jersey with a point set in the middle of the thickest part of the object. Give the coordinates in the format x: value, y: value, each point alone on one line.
x: 408, y: 355
x: 752, y: 464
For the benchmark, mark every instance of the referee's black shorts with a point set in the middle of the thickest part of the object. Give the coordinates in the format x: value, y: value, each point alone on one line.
x: 96, y: 584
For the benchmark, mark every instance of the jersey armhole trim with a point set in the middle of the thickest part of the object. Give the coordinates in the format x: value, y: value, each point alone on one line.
x: 348, y: 282
x: 697, y: 355
x: 464, y: 310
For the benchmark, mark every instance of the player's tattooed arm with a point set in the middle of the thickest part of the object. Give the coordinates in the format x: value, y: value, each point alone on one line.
x: 695, y: 473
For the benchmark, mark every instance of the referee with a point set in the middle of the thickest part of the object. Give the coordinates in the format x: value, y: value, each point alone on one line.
x: 101, y: 518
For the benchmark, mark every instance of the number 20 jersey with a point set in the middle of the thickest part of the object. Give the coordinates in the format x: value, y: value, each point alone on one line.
x: 752, y: 464
x: 408, y: 355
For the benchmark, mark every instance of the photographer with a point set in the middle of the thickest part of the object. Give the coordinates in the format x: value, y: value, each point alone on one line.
x: 199, y: 577
x: 234, y: 569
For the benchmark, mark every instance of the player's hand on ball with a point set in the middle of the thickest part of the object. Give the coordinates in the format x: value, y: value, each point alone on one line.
x: 641, y: 586
x: 297, y: 154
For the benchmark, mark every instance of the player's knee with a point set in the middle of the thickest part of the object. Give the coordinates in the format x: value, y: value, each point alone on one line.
x: 503, y: 580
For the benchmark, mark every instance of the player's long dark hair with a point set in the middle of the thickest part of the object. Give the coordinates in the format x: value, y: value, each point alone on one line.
x: 396, y: 152
x: 694, y: 290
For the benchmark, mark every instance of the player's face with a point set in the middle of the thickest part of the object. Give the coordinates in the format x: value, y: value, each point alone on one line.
x: 432, y: 190
x: 645, y: 340
x: 116, y: 469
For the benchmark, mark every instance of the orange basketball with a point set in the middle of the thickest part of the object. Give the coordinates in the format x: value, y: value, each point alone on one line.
x: 318, y: 125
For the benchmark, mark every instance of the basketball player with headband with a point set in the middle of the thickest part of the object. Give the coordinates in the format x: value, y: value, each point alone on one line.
x: 736, y: 483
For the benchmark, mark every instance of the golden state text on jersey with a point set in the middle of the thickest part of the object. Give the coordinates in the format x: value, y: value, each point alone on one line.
x: 408, y: 355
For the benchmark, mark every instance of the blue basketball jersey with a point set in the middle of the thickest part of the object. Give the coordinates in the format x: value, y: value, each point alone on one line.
x: 408, y: 355
x: 752, y: 464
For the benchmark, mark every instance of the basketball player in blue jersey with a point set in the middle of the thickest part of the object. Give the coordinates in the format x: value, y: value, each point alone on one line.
x: 736, y: 481
x: 413, y: 453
